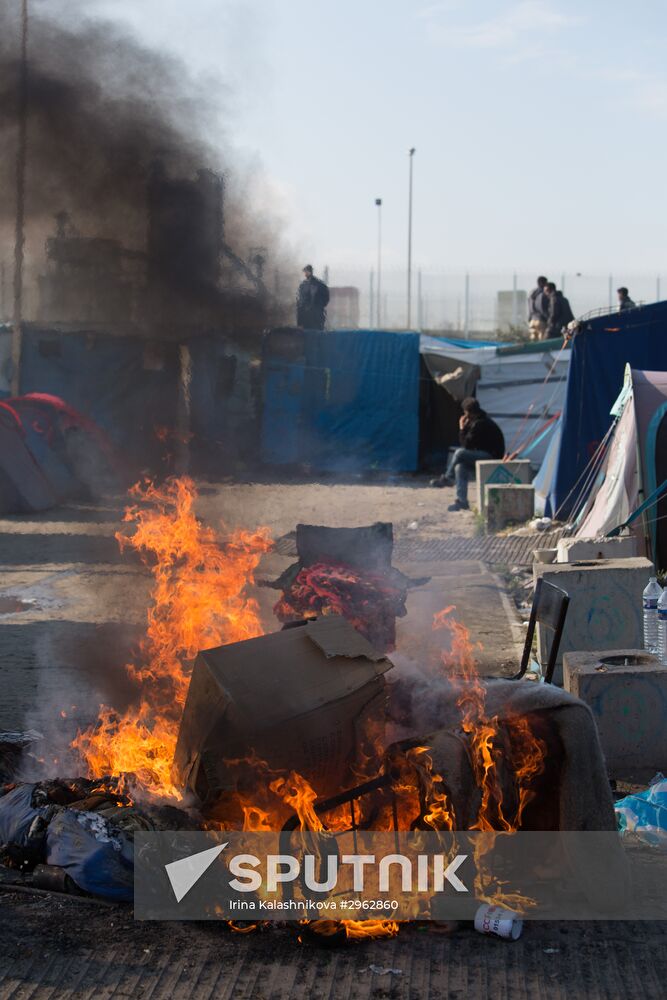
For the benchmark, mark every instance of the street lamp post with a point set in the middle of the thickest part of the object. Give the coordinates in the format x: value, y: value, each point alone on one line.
x: 378, y: 202
x: 411, y: 153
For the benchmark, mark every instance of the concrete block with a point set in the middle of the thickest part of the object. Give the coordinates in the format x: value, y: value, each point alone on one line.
x: 497, y: 472
x: 626, y: 690
x: 578, y: 549
x: 508, y: 503
x: 605, y: 609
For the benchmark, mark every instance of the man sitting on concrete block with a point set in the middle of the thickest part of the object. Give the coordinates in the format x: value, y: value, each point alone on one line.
x: 480, y: 438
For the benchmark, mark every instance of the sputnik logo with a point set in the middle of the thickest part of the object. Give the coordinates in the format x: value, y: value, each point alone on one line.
x: 186, y: 872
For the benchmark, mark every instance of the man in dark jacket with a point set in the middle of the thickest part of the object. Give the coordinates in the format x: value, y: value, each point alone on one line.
x: 480, y: 437
x: 311, y: 301
x: 560, y: 312
x: 624, y: 300
x: 538, y: 307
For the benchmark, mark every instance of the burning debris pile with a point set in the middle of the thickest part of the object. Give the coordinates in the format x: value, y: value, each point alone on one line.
x: 346, y: 572
x: 299, y: 729
x: 367, y: 600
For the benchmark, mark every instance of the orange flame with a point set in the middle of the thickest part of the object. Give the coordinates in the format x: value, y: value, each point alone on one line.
x: 527, y: 752
x: 199, y: 600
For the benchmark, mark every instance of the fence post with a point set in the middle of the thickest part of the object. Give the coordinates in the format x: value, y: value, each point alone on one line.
x: 466, y: 309
x: 370, y: 302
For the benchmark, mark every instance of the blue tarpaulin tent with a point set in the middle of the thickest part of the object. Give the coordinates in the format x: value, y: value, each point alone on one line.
x: 600, y: 352
x: 341, y: 401
x: 126, y: 384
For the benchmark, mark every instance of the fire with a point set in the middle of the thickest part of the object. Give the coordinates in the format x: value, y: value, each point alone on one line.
x: 525, y: 756
x: 526, y: 752
x: 199, y: 600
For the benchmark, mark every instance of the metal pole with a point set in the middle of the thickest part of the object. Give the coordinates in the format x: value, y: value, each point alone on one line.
x: 411, y: 153
x: 371, y: 305
x: 420, y: 314
x: 19, y: 237
x: 466, y: 309
x: 378, y: 202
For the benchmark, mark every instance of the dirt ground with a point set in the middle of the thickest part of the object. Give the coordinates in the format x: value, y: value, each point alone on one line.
x: 70, y: 606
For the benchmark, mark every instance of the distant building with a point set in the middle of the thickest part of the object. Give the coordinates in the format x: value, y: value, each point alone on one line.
x: 511, y: 309
x: 343, y: 308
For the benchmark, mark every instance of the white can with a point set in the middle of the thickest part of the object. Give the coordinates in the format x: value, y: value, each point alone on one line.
x: 496, y: 920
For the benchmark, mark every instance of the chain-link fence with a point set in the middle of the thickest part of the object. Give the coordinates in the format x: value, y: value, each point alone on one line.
x: 476, y: 304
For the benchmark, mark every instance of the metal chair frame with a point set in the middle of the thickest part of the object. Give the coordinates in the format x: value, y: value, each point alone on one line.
x: 549, y: 608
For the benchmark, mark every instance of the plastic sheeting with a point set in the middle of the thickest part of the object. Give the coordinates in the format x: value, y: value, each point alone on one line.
x: 521, y: 388
x: 600, y: 352
x: 98, y: 859
x: 645, y: 814
x: 343, y: 401
x: 224, y: 402
x: 127, y: 385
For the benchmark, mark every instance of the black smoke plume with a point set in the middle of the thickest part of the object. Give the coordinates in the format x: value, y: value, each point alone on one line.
x: 119, y: 150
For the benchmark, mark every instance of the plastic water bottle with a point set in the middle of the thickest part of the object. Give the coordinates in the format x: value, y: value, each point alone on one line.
x: 651, y: 596
x: 662, y: 627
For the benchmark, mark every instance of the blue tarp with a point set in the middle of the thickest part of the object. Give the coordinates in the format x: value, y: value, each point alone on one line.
x: 341, y: 401
x: 600, y: 352
x: 471, y: 344
x: 222, y: 400
x: 127, y: 385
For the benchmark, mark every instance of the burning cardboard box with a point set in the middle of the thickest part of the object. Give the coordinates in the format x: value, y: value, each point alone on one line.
x: 298, y: 699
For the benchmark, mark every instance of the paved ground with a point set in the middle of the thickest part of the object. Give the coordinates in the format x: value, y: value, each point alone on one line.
x: 52, y: 949
x: 64, y: 645
x: 80, y: 604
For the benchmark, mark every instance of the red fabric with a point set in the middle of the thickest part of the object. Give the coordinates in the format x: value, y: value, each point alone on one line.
x: 69, y: 417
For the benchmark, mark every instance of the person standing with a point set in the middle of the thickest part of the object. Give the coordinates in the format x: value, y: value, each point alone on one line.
x: 480, y: 438
x: 624, y: 300
x: 559, y: 311
x: 538, y: 305
x: 311, y: 301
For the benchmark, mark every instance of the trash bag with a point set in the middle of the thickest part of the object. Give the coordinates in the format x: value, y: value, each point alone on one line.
x: 23, y: 827
x: 645, y: 814
x: 13, y: 746
x: 97, y: 857
x: 17, y: 814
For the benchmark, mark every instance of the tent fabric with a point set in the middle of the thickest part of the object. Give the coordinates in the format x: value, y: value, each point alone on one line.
x: 23, y: 485
x: 544, y: 477
x: 630, y: 468
x: 224, y: 402
x: 5, y: 359
x: 126, y: 385
x: 49, y: 452
x: 444, y: 383
x: 615, y: 489
x: 600, y: 351
x: 341, y: 401
x: 520, y: 387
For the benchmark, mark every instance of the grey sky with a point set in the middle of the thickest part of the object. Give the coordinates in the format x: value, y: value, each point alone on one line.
x: 539, y: 124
